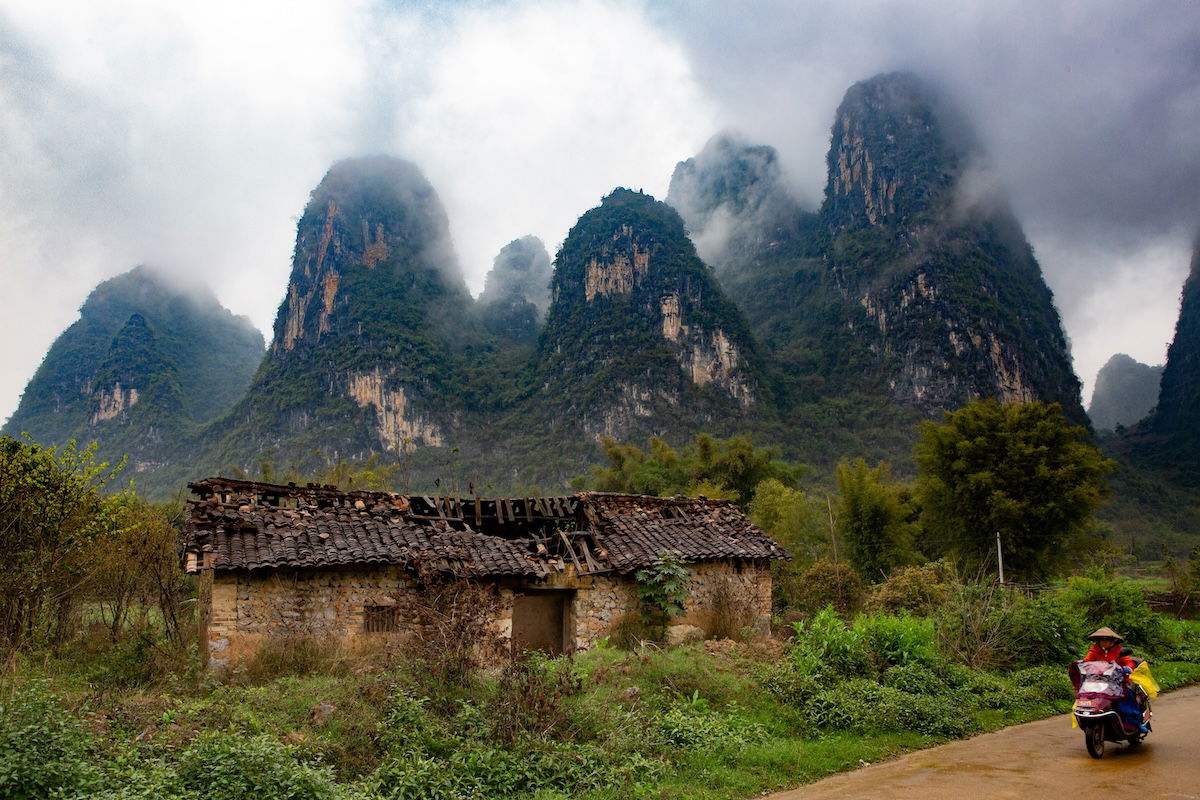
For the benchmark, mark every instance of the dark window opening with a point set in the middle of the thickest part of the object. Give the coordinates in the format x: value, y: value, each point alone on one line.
x: 542, y: 621
x: 381, y: 619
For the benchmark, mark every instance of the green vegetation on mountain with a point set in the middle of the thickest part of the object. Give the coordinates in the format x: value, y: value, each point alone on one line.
x: 1178, y: 414
x: 902, y: 297
x: 177, y: 351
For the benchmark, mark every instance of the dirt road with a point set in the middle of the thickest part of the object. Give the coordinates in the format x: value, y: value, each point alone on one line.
x: 1043, y: 759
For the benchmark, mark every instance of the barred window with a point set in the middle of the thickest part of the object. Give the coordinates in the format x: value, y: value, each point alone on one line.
x: 381, y: 619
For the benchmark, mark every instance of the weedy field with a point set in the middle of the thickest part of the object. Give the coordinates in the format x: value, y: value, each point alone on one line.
x: 709, y: 719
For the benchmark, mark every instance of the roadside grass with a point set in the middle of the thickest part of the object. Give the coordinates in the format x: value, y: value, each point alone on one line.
x: 705, y: 722
x: 714, y: 720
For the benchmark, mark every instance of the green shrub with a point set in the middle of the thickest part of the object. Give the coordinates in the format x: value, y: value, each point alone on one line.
x: 915, y: 678
x: 414, y: 777
x: 1045, y: 684
x: 1043, y: 628
x: 43, y: 750
x: 781, y: 680
x: 984, y: 690
x: 224, y: 765
x: 829, y: 583
x: 919, y: 590
x: 1119, y: 604
x: 861, y: 704
x: 824, y: 644
x: 689, y: 724
x: 891, y: 639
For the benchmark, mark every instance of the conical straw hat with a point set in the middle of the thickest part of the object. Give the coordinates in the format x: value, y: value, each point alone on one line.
x: 1106, y: 633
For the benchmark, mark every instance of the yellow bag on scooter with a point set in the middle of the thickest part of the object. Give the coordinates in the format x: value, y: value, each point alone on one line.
x: 1142, y: 677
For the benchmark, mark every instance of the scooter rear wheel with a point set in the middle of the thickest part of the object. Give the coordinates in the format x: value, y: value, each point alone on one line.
x: 1093, y: 737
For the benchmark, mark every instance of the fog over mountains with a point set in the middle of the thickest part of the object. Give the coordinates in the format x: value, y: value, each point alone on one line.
x: 188, y: 140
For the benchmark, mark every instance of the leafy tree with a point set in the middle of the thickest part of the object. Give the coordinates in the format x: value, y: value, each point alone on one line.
x: 1018, y: 469
x: 51, y: 518
x: 875, y: 521
x: 797, y: 522
x: 729, y: 468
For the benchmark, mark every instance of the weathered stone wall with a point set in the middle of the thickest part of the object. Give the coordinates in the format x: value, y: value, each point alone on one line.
x: 247, y: 609
x: 745, y: 589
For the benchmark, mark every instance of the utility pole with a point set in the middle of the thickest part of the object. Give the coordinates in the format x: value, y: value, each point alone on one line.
x: 832, y: 531
x: 1000, y: 557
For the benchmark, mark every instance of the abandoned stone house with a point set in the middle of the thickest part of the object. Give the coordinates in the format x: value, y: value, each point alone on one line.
x: 280, y: 561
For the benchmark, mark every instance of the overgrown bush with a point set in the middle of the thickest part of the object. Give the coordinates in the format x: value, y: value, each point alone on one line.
x: 223, y: 765
x: 828, y: 582
x: 44, y: 751
x: 280, y: 656
x: 824, y: 644
x: 629, y: 632
x: 727, y: 618
x: 1043, y: 628
x: 530, y: 692
x: 891, y: 639
x: 919, y: 590
x: 451, y: 632
x: 1119, y: 604
x: 975, y: 628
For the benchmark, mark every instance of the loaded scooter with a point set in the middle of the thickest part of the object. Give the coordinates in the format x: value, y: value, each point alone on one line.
x: 1112, y: 694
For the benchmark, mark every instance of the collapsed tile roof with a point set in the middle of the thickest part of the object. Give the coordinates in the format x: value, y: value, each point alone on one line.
x: 244, y: 525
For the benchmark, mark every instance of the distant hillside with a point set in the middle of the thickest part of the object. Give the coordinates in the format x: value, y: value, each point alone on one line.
x: 1126, y: 391
x: 145, y: 362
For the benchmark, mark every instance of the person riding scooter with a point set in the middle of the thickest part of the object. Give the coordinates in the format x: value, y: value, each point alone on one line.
x: 1106, y: 646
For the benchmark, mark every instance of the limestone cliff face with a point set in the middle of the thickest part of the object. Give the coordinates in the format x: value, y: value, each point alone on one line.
x: 365, y: 354
x: 896, y: 149
x: 946, y: 296
x: 399, y: 427
x: 1178, y: 412
x: 639, y: 333
x: 112, y: 402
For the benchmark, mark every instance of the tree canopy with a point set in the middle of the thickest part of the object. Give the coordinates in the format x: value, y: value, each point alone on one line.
x: 729, y: 468
x: 876, y: 521
x: 1019, y: 469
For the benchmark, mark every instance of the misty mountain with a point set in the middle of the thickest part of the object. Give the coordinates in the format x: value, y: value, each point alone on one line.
x: 827, y: 332
x: 1126, y: 391
x: 144, y: 361
x: 733, y: 200
x: 640, y: 338
x: 516, y: 291
x: 904, y: 290
x: 365, y: 356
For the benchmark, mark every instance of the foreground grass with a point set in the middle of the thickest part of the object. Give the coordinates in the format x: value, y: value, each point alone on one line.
x: 711, y: 721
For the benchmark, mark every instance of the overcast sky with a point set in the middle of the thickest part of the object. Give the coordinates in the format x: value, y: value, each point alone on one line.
x: 189, y: 135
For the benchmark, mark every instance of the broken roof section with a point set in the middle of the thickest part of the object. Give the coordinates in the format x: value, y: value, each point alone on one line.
x: 244, y: 525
